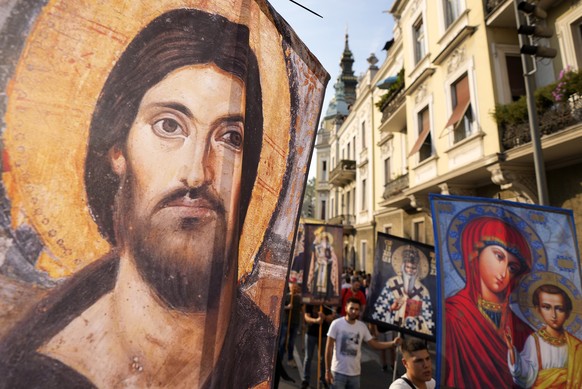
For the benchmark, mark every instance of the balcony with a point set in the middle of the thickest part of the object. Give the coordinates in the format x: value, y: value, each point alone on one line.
x: 500, y: 13
x: 347, y: 220
x: 552, y: 121
x: 343, y: 173
x: 393, y: 98
x: 395, y: 186
x: 393, y: 104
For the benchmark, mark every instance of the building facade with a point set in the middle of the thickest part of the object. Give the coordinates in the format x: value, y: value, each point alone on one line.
x: 430, y: 120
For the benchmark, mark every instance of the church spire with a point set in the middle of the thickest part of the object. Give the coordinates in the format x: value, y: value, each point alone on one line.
x: 347, y: 74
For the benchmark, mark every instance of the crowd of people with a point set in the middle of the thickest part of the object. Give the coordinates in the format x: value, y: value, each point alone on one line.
x: 334, y: 336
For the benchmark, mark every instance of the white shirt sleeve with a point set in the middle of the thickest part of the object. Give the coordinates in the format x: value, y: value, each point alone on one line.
x: 332, y: 332
x: 525, y: 370
x: 366, y: 333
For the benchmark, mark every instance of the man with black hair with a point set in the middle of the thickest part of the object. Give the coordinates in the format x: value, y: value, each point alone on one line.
x: 418, y: 365
x: 177, y: 122
x: 344, y: 347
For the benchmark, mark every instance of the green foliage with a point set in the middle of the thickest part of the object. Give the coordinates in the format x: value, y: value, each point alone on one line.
x: 308, y: 205
x: 557, y: 106
x: 392, y: 90
x: 515, y: 113
x: 569, y: 83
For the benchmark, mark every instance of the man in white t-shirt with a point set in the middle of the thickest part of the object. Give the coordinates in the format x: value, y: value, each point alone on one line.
x: 344, y: 346
x: 418, y: 364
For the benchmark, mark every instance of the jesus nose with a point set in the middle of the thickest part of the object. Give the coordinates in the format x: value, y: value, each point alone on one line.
x: 194, y: 163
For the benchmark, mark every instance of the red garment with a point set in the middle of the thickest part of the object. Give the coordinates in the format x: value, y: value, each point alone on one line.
x: 475, y: 349
x: 347, y: 294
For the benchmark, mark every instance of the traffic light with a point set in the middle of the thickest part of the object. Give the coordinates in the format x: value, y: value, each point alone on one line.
x: 536, y: 28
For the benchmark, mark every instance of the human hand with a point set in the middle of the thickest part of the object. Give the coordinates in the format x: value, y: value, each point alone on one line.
x: 396, y: 305
x: 397, y: 341
x: 329, y: 377
x: 507, y: 338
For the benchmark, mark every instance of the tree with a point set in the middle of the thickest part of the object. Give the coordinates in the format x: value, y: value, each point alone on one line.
x: 308, y: 206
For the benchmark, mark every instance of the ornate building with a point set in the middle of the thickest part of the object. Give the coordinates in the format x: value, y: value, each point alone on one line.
x: 430, y: 120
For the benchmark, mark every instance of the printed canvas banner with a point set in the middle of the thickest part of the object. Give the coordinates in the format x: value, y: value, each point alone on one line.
x: 403, y: 292
x: 154, y: 155
x: 298, y: 260
x: 322, y: 266
x: 510, y: 285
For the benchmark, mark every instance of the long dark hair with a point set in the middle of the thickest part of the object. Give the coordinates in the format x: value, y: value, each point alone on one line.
x: 172, y: 40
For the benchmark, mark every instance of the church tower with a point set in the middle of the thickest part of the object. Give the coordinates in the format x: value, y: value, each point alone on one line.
x: 347, y: 75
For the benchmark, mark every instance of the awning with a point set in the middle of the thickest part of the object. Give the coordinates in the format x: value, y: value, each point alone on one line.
x: 387, y: 82
x: 463, y: 102
x: 423, y: 134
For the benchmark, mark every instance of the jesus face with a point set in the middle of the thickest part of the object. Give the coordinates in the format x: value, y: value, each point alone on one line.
x: 181, y: 174
x: 552, y: 309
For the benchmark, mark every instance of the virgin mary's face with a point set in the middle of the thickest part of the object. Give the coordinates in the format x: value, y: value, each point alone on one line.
x: 497, y: 268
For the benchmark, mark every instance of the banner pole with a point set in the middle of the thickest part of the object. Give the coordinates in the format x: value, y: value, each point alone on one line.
x: 289, y: 322
x: 396, y: 356
x: 319, y: 349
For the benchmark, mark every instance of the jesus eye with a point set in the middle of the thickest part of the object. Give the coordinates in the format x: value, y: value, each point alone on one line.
x: 167, y: 127
x: 232, y: 135
x: 234, y: 138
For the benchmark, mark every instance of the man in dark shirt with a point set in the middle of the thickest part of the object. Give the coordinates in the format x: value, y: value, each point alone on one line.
x: 318, y: 319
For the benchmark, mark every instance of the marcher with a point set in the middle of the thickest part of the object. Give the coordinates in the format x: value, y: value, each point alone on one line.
x: 318, y: 319
x: 290, y: 323
x: 353, y: 291
x: 344, y: 345
x: 416, y: 359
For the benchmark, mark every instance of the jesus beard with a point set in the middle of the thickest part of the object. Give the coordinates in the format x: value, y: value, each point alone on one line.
x: 167, y: 250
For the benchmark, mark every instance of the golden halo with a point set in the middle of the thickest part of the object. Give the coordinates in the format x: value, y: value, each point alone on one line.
x: 397, y: 261
x: 66, y: 60
x: 531, y: 282
x: 327, y: 235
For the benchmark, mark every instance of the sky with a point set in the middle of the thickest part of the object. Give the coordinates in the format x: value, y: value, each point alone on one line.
x: 368, y: 24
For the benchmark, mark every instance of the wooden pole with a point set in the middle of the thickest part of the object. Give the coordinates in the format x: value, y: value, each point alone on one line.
x: 289, y: 323
x: 319, y: 349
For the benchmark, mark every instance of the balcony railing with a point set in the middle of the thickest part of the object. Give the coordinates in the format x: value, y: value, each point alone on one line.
x: 346, y: 220
x: 393, y: 104
x: 491, y: 5
x: 557, y: 118
x: 395, y: 186
x: 343, y: 173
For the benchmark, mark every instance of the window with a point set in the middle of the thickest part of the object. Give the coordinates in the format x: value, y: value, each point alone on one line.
x: 324, y: 170
x: 452, y: 11
x: 364, y: 245
x: 348, y: 202
x: 418, y: 231
x: 423, y: 143
x: 388, y: 229
x: 343, y: 208
x: 418, y: 34
x: 344, y: 152
x: 515, y: 76
x: 462, y: 117
x: 322, y: 216
x: 363, y: 135
x: 364, y: 205
x: 354, y: 146
x: 387, y: 172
